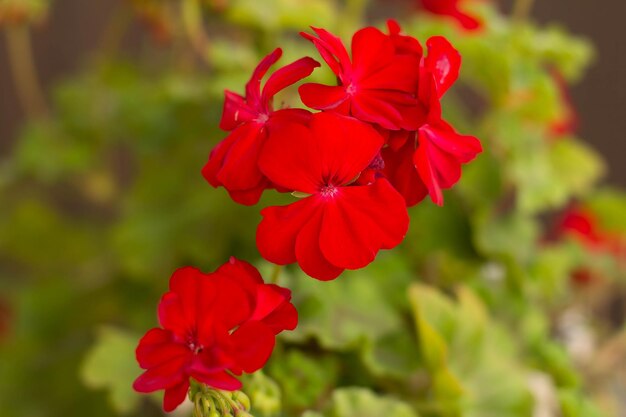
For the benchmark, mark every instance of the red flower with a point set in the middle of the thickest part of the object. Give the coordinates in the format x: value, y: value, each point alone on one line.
x: 437, y: 149
x: 377, y: 85
x: 212, y: 326
x: 233, y: 162
x: 452, y: 9
x: 340, y: 223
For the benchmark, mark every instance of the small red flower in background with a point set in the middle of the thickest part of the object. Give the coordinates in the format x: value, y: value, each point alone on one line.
x: 233, y: 162
x: 376, y: 85
x: 341, y: 223
x: 568, y: 121
x: 451, y: 8
x: 582, y: 225
x: 437, y: 150
x: 212, y: 326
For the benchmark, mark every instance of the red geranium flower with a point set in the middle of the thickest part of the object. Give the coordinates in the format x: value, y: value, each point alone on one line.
x: 377, y: 85
x: 212, y: 326
x: 340, y: 223
x: 437, y: 149
x: 583, y: 225
x: 452, y: 9
x: 233, y: 162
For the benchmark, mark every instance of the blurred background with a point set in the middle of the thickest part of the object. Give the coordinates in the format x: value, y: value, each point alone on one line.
x: 74, y: 31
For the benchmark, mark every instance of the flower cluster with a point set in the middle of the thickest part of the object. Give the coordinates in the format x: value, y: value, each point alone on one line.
x: 212, y: 326
x: 378, y: 145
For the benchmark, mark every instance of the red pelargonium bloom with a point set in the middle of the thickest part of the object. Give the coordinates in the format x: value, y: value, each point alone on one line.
x: 583, y: 225
x: 341, y: 223
x: 451, y: 8
x: 212, y: 326
x: 429, y: 160
x: 233, y: 162
x: 377, y: 85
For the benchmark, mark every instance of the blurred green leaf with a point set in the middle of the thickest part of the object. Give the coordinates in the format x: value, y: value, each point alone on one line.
x: 110, y: 364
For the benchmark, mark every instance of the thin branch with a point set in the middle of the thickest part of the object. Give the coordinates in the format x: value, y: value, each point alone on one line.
x: 521, y: 10
x: 24, y: 72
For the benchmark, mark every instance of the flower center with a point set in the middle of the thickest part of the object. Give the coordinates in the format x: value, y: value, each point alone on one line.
x: 328, y: 190
x: 262, y: 118
x: 194, y: 346
x: 351, y: 89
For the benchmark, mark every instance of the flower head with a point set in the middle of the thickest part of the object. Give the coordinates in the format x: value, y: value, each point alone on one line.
x: 341, y: 223
x: 233, y: 162
x: 212, y: 326
x: 376, y: 84
x: 429, y: 159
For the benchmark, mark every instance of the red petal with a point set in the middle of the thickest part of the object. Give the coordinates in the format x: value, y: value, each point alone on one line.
x: 332, y: 50
x: 463, y: 147
x: 277, y: 232
x: 288, y: 75
x: 219, y: 380
x: 468, y: 22
x: 360, y: 221
x: 444, y: 62
x: 438, y: 168
x: 251, y: 196
x: 253, y: 344
x: 157, y: 346
x: 290, y: 158
x: 402, y: 75
x: 333, y: 149
x: 323, y: 97
x: 241, y: 271
x: 285, y: 317
x: 253, y: 87
x: 309, y: 254
x: 239, y: 170
x: 274, y: 309
x: 404, y: 44
x: 160, y: 377
x: 236, y: 111
x: 401, y: 172
x: 345, y: 146
x: 369, y: 107
x: 175, y: 396
x: 372, y: 50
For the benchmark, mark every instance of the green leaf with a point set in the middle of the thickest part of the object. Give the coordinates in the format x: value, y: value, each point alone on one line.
x: 361, y: 402
x: 110, y: 364
x: 278, y: 14
x: 341, y: 323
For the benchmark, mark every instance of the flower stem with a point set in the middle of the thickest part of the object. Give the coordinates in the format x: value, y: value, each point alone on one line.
x: 24, y: 72
x: 276, y: 274
x: 353, y: 16
x: 191, y: 13
x: 521, y: 10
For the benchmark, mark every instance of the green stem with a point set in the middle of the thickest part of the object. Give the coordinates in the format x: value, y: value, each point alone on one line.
x: 521, y: 10
x: 276, y: 274
x: 23, y: 69
x: 353, y: 16
x: 191, y: 13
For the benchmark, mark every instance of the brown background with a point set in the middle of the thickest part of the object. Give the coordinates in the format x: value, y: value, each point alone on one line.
x: 74, y: 29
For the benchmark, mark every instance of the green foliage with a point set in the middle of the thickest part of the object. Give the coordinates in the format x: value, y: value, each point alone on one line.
x: 361, y: 402
x: 110, y: 364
